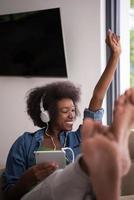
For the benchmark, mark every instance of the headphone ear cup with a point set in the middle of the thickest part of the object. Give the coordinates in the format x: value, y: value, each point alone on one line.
x: 45, y: 116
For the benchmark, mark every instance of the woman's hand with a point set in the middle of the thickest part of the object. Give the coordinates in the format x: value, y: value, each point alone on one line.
x: 43, y: 170
x: 113, y: 41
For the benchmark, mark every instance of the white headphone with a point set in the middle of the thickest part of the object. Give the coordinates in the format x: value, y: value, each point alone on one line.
x: 44, y: 115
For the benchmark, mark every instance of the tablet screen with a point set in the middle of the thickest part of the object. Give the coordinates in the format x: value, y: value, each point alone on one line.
x: 51, y: 156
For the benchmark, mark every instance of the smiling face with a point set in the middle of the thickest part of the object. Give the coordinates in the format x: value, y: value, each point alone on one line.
x: 66, y: 115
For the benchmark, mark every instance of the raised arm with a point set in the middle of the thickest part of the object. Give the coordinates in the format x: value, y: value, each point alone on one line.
x: 113, y: 41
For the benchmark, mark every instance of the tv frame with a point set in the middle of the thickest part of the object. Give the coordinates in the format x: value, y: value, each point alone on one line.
x: 18, y: 55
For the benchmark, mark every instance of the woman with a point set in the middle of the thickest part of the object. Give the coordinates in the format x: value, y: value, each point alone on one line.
x: 97, y: 172
x: 59, y: 101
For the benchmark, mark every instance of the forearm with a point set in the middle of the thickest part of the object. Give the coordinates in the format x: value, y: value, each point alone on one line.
x: 107, y: 76
x: 104, y: 82
x: 22, y: 186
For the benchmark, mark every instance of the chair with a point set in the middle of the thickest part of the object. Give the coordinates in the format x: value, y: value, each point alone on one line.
x: 1, y: 184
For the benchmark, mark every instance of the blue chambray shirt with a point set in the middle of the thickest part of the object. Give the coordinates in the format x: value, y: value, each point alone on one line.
x: 21, y: 155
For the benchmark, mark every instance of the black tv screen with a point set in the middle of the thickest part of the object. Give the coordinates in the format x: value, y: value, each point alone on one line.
x: 31, y: 44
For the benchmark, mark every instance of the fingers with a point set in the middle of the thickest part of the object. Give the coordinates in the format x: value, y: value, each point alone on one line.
x: 45, y: 165
x: 43, y: 173
x: 115, y: 37
x: 109, y: 36
x: 113, y: 41
x: 43, y: 170
x: 112, y: 37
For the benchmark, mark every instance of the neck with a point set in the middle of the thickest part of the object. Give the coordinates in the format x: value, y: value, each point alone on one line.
x: 53, y: 132
x: 54, y: 145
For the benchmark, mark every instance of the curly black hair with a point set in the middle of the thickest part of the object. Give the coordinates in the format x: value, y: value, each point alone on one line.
x: 50, y: 94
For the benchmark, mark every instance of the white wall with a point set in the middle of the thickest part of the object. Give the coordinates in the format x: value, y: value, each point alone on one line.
x: 83, y: 28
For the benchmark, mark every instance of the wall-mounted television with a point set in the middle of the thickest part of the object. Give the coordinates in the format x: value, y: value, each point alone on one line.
x: 31, y: 44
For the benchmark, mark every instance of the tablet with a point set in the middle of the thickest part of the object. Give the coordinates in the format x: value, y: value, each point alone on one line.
x: 51, y: 156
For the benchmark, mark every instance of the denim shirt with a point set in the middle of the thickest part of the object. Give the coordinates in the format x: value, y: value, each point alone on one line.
x: 21, y: 155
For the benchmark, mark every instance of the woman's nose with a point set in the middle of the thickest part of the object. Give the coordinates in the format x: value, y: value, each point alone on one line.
x: 71, y: 115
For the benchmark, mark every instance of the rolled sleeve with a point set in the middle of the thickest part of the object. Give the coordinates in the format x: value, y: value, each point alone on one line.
x: 97, y: 115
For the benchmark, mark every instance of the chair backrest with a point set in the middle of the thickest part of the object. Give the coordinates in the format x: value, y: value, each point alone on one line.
x: 128, y: 180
